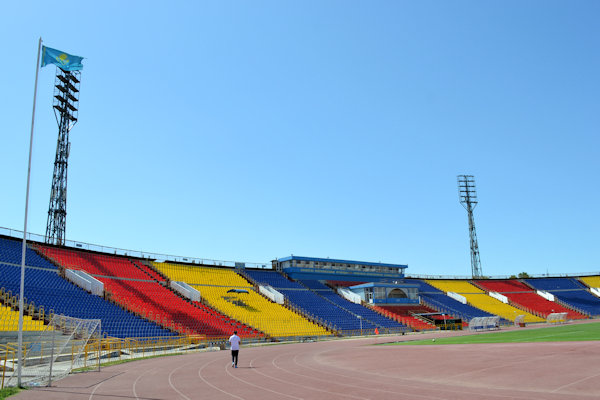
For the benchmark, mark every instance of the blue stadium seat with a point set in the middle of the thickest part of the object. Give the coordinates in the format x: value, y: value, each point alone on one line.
x: 438, y: 300
x: 571, y: 292
x: 322, y: 304
x: 45, y: 287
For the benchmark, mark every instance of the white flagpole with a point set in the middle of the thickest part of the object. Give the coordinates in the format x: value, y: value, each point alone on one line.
x: 24, y: 248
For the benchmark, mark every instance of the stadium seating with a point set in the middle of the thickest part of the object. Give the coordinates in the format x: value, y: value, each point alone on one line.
x: 591, y: 281
x: 479, y: 298
x: 570, y: 291
x: 216, y: 286
x: 45, y: 288
x: 313, y: 304
x: 526, y: 298
x: 138, y: 301
x: 439, y: 301
x: 134, y: 286
x: 366, y: 314
x: 405, y: 315
x: 9, y: 321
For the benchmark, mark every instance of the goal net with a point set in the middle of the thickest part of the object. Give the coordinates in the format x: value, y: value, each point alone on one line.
x: 55, y: 352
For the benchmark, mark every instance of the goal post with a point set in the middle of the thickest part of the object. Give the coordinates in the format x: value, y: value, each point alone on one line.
x: 56, y: 351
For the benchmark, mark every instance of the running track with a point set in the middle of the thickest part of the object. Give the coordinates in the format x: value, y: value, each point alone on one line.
x: 350, y: 369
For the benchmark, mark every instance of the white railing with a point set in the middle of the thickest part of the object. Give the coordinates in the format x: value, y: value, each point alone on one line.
x: 546, y: 295
x: 85, y: 281
x: 349, y: 295
x: 499, y: 296
x: 271, y: 293
x: 186, y: 290
x: 457, y: 297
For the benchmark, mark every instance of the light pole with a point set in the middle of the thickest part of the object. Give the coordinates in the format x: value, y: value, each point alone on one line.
x: 66, y: 103
x: 467, y: 194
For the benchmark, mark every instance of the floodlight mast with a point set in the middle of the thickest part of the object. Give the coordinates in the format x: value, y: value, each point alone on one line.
x: 467, y: 195
x: 66, y: 101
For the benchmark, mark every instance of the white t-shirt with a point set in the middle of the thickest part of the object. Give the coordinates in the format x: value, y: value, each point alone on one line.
x: 235, y: 342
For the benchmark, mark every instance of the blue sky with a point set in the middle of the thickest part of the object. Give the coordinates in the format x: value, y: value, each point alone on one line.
x: 253, y: 130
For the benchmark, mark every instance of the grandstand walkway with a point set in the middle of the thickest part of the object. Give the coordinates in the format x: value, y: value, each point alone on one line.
x: 349, y: 369
x: 478, y: 298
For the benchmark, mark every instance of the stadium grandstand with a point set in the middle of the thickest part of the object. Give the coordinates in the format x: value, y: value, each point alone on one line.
x: 526, y: 298
x: 139, y: 295
x: 569, y: 292
x: 482, y: 300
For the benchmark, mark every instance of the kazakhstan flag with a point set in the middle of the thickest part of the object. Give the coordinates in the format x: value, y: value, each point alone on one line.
x: 64, y: 61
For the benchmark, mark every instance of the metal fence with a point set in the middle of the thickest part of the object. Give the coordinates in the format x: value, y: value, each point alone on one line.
x: 237, y: 264
x: 136, y: 253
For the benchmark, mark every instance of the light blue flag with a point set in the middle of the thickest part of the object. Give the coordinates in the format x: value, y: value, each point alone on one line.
x: 64, y: 61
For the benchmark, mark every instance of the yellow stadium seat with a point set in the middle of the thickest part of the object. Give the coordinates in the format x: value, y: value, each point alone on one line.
x: 480, y: 299
x: 591, y: 281
x: 9, y: 321
x: 249, y: 308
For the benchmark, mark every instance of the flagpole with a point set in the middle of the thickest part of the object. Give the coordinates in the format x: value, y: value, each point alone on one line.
x: 24, y: 248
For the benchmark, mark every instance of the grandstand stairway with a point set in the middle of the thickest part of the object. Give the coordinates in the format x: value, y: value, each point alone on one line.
x: 438, y: 300
x: 571, y: 292
x: 51, y: 293
x: 525, y: 297
x: 233, y: 295
x: 136, y: 288
x: 382, y: 322
x: 480, y: 299
x: 407, y: 315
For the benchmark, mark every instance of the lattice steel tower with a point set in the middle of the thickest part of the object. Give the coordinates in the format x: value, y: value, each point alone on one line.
x: 66, y: 101
x: 468, y: 198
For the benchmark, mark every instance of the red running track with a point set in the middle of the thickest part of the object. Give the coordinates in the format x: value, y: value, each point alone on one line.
x: 350, y: 369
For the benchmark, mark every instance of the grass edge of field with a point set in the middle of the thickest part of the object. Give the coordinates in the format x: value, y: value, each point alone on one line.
x: 9, y: 391
x: 527, y: 335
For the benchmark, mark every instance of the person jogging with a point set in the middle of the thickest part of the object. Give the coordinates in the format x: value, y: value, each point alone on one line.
x: 235, y: 348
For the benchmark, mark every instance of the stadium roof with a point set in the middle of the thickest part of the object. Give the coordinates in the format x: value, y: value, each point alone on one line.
x: 332, y: 260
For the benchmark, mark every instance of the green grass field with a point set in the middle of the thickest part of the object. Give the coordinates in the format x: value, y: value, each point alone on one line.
x: 561, y: 333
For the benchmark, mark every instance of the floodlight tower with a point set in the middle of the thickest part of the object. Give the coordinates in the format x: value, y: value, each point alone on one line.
x: 468, y: 198
x: 66, y: 101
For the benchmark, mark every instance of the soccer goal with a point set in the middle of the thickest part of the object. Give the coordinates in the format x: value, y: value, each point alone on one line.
x: 62, y: 347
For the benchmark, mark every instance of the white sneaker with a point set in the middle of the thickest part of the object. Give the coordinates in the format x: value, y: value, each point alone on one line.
x: 232, y: 365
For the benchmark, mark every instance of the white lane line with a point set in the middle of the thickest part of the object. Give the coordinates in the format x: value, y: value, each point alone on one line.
x: 317, y: 379
x: 259, y: 387
x: 213, y: 386
x: 354, y: 378
x: 137, y: 379
x: 94, y: 391
x: 171, y: 381
x: 574, y: 383
x: 409, y: 383
x: 287, y: 382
